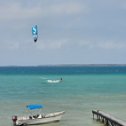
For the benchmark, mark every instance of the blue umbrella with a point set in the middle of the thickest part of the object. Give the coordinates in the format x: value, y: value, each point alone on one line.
x: 34, y: 106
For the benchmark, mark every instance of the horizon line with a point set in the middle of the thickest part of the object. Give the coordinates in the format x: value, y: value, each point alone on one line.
x: 49, y: 65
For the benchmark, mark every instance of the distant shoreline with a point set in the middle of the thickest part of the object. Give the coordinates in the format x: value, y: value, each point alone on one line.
x: 65, y: 65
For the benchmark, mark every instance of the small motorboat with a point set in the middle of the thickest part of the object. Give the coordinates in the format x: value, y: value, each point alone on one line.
x: 38, y: 118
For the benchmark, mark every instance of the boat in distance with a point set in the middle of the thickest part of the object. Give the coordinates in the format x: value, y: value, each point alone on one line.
x: 38, y: 118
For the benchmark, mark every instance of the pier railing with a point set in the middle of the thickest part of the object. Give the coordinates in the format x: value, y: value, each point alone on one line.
x: 107, y: 119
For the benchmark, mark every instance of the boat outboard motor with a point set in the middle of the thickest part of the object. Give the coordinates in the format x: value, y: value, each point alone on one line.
x: 14, y: 118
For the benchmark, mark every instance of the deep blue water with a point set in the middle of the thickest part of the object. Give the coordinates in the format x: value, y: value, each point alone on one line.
x: 87, y: 69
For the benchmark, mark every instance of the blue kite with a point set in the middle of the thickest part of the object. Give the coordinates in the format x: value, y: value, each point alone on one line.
x: 35, y: 33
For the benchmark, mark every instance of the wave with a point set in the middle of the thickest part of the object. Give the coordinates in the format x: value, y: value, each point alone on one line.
x: 53, y: 81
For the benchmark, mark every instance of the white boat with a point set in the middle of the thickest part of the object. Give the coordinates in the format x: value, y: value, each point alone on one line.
x: 38, y: 118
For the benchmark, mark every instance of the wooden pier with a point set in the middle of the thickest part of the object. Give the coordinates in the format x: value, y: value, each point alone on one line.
x: 107, y: 119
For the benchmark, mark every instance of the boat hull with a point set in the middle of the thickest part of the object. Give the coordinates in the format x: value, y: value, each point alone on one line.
x: 48, y: 118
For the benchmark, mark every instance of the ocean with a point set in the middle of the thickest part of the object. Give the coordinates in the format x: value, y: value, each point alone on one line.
x: 83, y: 89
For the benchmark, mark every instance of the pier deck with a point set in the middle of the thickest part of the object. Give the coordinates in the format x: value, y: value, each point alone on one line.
x: 107, y: 119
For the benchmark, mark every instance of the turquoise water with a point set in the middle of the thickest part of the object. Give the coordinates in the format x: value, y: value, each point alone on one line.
x: 77, y: 95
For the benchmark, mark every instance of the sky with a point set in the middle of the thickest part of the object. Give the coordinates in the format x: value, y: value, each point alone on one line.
x: 70, y: 32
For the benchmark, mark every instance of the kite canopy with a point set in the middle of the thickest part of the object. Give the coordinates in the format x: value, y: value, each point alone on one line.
x: 35, y: 33
x: 35, y: 106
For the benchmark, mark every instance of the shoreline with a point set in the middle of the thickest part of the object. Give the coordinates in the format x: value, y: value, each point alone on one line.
x: 65, y: 65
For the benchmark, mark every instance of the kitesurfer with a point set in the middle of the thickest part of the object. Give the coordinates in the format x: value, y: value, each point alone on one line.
x: 35, y: 33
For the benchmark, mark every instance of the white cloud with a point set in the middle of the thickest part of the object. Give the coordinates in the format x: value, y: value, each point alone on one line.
x: 112, y: 45
x: 9, y: 45
x: 51, y: 44
x: 13, y: 11
x: 16, y: 11
x: 87, y: 44
x: 66, y: 8
x: 107, y: 45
